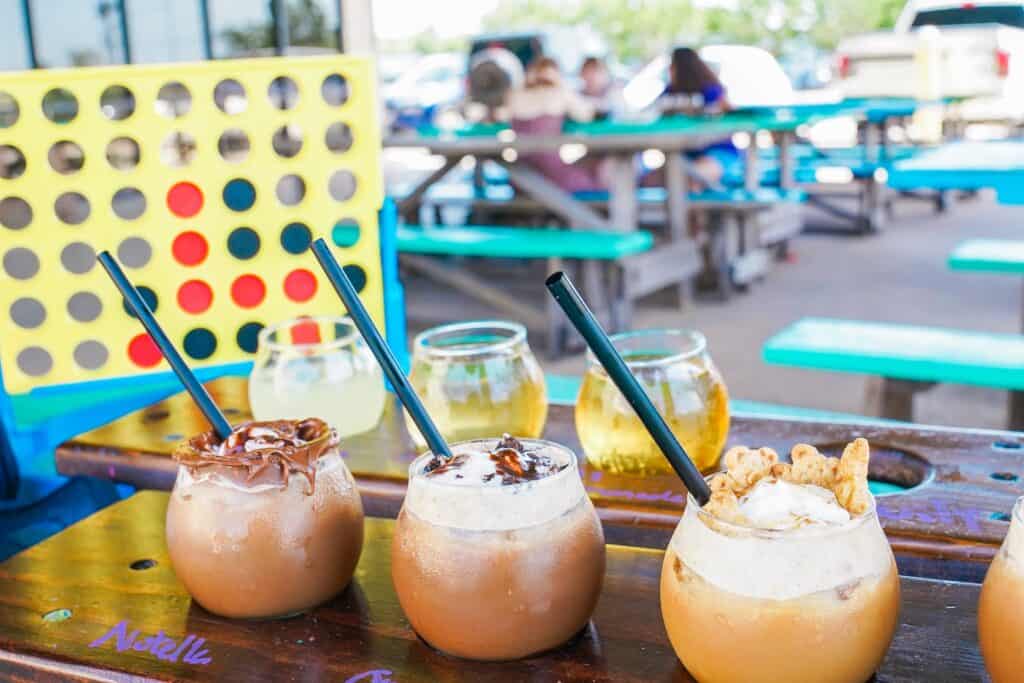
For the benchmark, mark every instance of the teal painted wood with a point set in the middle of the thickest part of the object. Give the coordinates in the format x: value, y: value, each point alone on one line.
x: 966, y: 165
x: 504, y: 242
x: 901, y: 352
x: 989, y: 256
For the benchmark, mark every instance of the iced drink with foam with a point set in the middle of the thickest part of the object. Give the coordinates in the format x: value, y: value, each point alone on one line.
x: 498, y: 553
x: 1001, y: 607
x: 785, y: 575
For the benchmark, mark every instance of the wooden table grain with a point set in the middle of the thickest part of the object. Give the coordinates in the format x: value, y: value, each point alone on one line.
x: 66, y: 593
x: 948, y: 526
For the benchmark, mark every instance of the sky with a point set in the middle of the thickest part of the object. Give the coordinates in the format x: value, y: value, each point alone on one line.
x: 403, y: 18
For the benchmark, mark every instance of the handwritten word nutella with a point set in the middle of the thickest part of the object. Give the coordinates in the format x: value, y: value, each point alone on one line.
x: 375, y: 676
x: 160, y: 646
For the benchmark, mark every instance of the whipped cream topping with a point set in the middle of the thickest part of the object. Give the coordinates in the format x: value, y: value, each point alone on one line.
x: 778, y: 504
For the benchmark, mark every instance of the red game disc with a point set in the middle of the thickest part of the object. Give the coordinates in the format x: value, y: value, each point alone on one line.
x: 190, y: 248
x: 195, y: 296
x: 300, y: 285
x: 248, y: 291
x: 143, y: 351
x: 184, y: 199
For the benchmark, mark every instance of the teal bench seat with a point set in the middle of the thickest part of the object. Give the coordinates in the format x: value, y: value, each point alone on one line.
x: 989, y: 256
x: 908, y: 357
x: 505, y: 242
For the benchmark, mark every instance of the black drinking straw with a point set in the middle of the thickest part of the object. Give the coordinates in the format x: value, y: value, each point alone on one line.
x: 406, y: 394
x: 177, y: 363
x: 583, y: 320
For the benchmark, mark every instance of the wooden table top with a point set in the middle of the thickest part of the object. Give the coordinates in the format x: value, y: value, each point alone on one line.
x: 64, y: 594
x: 969, y: 479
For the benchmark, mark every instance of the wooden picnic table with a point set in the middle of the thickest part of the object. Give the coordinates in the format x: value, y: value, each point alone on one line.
x: 996, y: 165
x: 949, y: 525
x: 59, y: 598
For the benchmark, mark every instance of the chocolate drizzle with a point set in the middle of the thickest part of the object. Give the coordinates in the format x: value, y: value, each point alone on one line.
x: 512, y: 462
x: 261, y: 452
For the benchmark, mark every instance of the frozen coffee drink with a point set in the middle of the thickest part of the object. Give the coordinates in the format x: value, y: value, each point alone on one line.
x: 498, y: 552
x: 266, y: 523
x: 785, y: 574
x: 1001, y: 609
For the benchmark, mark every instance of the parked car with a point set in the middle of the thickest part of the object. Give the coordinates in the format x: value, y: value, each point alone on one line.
x: 434, y: 85
x: 973, y: 50
x: 751, y: 76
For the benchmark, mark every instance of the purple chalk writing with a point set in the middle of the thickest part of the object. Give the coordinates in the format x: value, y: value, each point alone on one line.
x: 375, y: 676
x: 189, y: 650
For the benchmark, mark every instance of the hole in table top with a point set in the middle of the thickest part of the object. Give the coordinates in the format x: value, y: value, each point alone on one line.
x: 1004, y: 476
x: 117, y: 103
x: 12, y: 162
x: 66, y: 157
x: 60, y: 106
x: 1000, y: 517
x: 1007, y: 445
x: 123, y: 153
x: 57, y: 615
x: 140, y: 565
x: 892, y: 470
x: 173, y: 100
x: 229, y: 96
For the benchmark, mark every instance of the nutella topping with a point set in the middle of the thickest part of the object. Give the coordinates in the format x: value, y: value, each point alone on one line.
x: 261, y: 453
x: 509, y: 463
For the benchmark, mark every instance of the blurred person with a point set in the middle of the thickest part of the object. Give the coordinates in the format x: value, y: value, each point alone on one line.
x: 541, y: 107
x: 694, y: 89
x: 600, y: 89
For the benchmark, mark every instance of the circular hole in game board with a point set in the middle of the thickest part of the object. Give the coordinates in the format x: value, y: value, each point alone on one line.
x: 287, y: 140
x: 84, y: 307
x: 141, y: 565
x: 78, y: 258
x: 34, y: 361
x: 60, y: 106
x: 21, y: 263
x: 357, y: 275
x: 173, y: 100
x: 72, y: 208
x: 345, y: 232
x: 233, y: 145
x: 200, y: 343
x: 296, y: 238
x: 12, y: 162
x: 283, y: 93
x: 9, y: 110
x: 291, y: 189
x: 134, y: 252
x: 28, y: 313
x: 66, y: 157
x: 239, y: 194
x: 342, y: 185
x: 229, y: 96
x: 117, y: 103
x: 15, y: 213
x: 248, y: 336
x: 178, y: 149
x: 128, y: 203
x: 90, y: 355
x: 334, y: 90
x: 338, y: 137
x: 243, y: 243
x: 123, y: 154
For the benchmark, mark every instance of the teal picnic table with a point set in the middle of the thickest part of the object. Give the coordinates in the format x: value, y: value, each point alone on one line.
x: 998, y: 165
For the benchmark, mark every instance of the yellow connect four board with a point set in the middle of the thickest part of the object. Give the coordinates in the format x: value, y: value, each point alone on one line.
x: 207, y: 181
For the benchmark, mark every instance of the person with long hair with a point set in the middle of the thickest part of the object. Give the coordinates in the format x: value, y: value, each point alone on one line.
x: 541, y: 107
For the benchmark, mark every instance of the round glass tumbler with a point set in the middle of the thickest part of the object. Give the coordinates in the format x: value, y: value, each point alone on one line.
x: 802, y: 605
x: 1001, y: 607
x: 478, y: 379
x: 317, y: 366
x: 251, y: 537
x: 679, y: 376
x: 498, y: 572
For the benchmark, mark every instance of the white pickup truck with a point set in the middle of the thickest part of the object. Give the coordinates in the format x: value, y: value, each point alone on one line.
x: 971, y: 49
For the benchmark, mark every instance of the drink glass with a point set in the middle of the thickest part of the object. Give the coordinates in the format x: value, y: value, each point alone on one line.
x: 815, y: 604
x: 679, y: 376
x: 477, y: 379
x: 317, y: 366
x: 268, y: 544
x: 498, y: 572
x: 1001, y: 607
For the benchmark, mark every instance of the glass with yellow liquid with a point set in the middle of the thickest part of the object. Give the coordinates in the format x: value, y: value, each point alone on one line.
x: 478, y: 379
x: 677, y: 373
